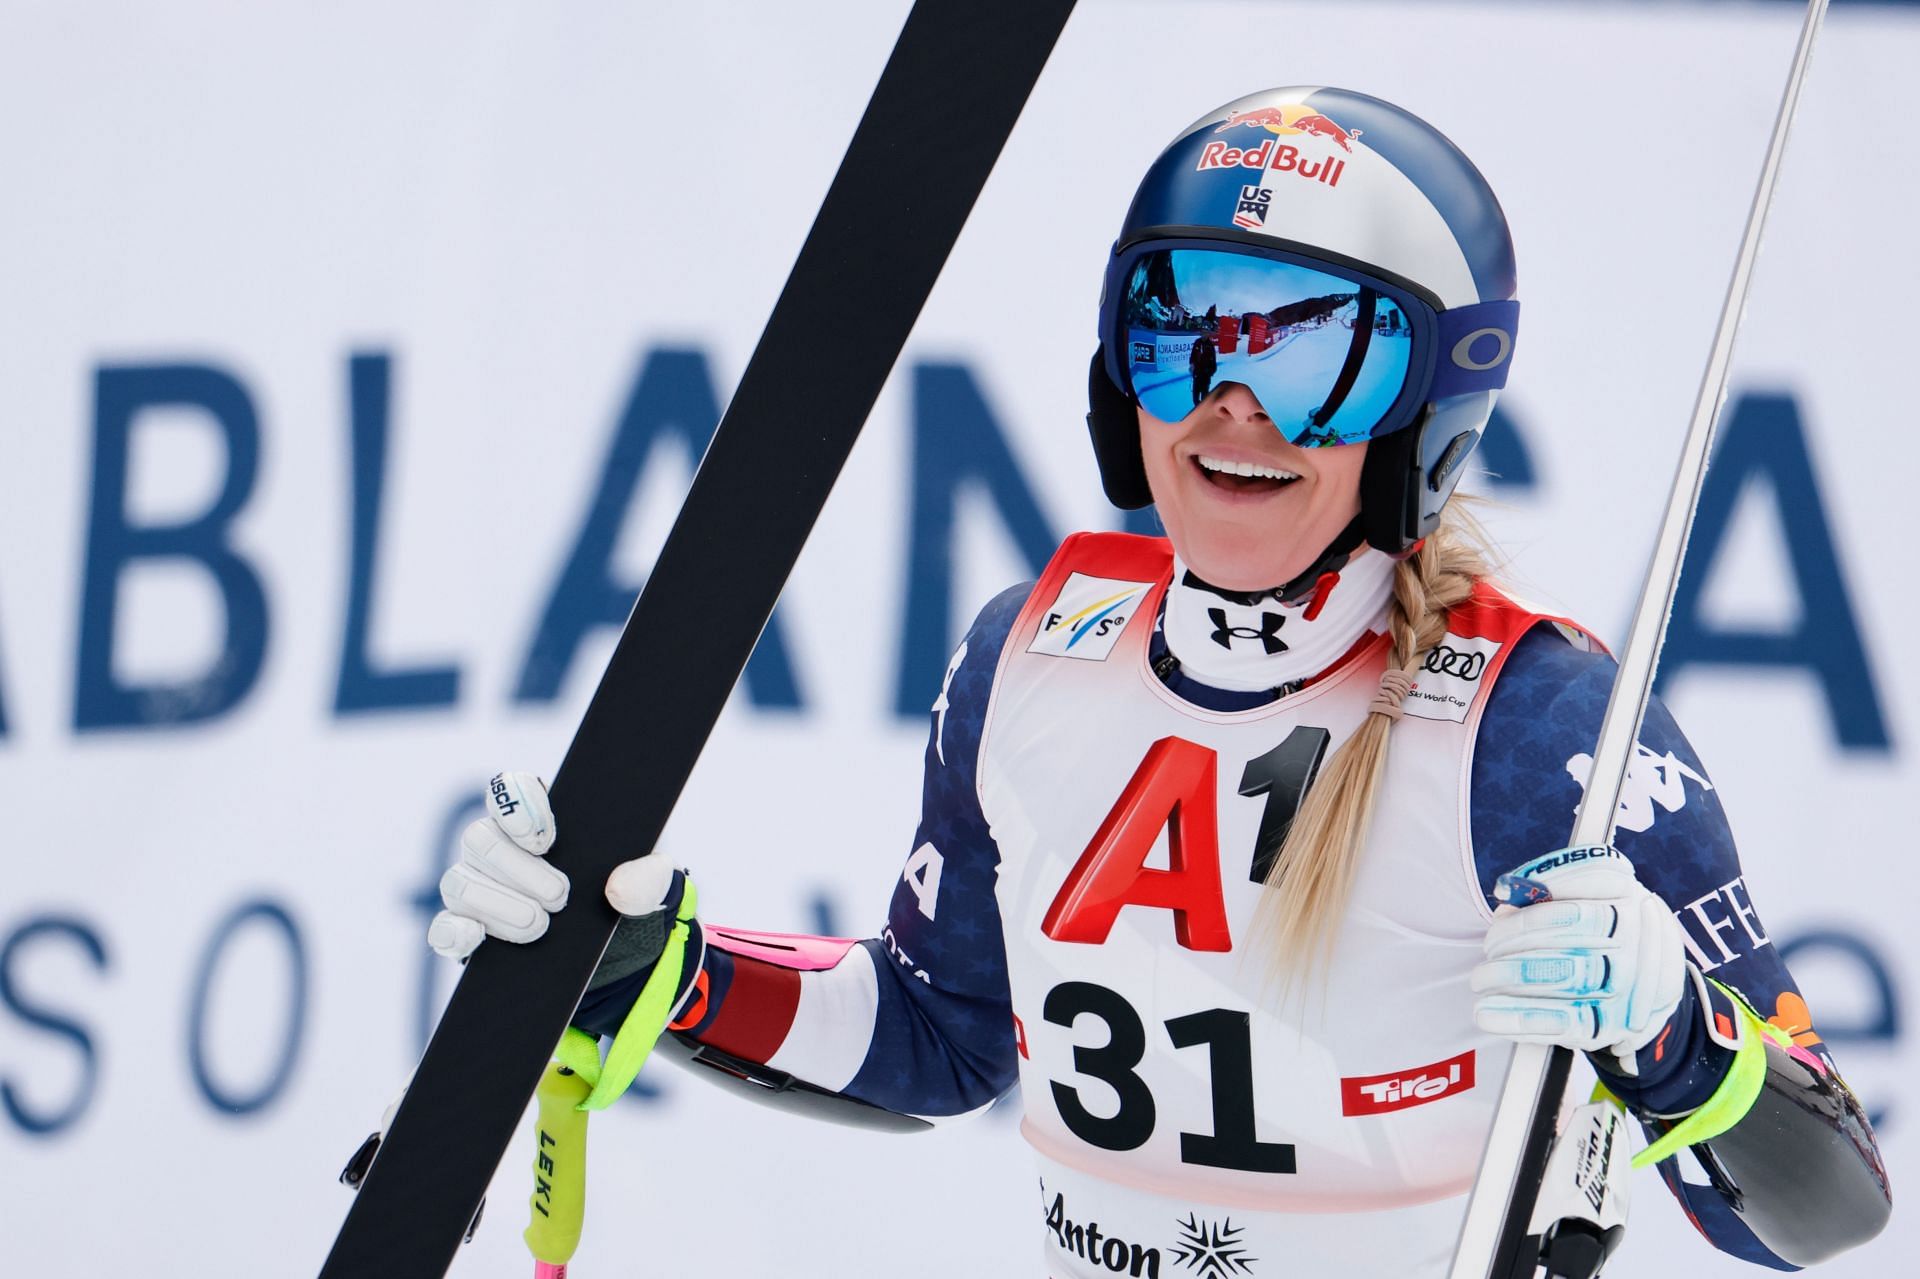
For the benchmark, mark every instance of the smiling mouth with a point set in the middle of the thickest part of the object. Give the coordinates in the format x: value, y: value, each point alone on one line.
x: 1242, y: 477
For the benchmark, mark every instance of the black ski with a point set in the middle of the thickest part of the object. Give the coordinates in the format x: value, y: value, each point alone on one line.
x: 955, y: 83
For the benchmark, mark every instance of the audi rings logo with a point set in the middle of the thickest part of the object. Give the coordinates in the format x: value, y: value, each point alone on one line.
x: 1463, y: 349
x: 1442, y: 660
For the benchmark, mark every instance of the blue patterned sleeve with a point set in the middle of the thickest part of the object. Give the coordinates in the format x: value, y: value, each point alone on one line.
x: 943, y: 1036
x: 1530, y: 765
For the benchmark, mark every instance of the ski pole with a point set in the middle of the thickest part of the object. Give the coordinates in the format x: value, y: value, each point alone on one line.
x: 1495, y: 1242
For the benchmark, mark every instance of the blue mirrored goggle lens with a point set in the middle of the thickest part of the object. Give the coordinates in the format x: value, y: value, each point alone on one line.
x: 1327, y: 357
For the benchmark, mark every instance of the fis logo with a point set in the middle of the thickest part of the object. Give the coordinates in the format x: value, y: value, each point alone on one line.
x: 503, y: 799
x: 1251, y: 212
x: 1378, y: 1094
x: 1086, y: 619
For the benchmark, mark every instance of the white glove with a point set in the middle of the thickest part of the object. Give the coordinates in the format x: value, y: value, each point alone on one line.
x: 1597, y: 963
x: 502, y: 886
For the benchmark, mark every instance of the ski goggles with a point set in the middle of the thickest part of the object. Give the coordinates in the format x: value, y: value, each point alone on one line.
x: 1335, y: 356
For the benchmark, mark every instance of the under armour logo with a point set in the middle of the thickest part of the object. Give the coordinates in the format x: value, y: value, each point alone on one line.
x: 1442, y: 660
x: 1268, y: 632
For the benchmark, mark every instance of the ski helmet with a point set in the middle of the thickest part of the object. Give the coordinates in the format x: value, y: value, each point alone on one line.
x: 1342, y: 259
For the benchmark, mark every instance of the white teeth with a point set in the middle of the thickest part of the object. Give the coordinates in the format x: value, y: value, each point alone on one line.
x: 1252, y: 470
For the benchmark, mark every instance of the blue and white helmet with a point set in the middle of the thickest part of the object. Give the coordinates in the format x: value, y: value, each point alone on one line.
x: 1377, y: 261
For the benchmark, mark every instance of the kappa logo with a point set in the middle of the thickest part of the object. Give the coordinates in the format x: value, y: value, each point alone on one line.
x: 1268, y: 632
x: 1378, y: 1094
x: 941, y: 704
x: 1651, y: 780
x: 1442, y: 659
x: 1086, y: 619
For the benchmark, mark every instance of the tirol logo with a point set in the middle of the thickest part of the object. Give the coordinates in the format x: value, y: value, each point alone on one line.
x: 1251, y: 211
x: 1085, y: 620
x: 1377, y: 1094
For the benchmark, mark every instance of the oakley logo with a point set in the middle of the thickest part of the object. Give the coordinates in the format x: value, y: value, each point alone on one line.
x: 1441, y: 660
x: 1463, y: 349
x: 1268, y: 632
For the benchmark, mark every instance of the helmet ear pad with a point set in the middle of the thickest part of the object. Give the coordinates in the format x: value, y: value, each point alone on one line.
x: 1114, y: 424
x: 1409, y: 474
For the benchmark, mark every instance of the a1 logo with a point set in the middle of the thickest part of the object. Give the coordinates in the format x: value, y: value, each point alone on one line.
x: 1175, y: 789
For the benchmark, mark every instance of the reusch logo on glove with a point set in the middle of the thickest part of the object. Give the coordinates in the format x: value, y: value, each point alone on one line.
x: 1568, y: 857
x: 502, y: 799
x: 1377, y: 1094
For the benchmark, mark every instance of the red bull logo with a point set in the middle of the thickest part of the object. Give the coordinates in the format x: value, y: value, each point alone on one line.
x: 1274, y: 157
x: 1293, y: 118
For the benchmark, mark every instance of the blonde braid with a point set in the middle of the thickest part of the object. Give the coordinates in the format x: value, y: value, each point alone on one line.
x: 1307, y: 889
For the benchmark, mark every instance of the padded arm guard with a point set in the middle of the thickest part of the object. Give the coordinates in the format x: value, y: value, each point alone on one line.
x: 1800, y: 1168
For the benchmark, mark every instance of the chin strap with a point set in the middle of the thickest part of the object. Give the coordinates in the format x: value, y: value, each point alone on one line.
x: 1331, y: 560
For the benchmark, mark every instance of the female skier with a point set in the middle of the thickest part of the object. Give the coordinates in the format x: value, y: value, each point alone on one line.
x: 1215, y: 825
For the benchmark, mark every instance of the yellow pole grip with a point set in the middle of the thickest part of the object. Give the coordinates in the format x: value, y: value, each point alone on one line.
x: 559, y: 1197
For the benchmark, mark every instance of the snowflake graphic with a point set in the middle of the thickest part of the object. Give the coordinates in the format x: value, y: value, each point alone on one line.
x: 1212, y: 1251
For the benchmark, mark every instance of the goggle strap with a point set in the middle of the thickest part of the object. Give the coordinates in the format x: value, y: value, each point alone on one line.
x: 1475, y: 348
